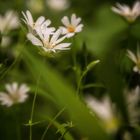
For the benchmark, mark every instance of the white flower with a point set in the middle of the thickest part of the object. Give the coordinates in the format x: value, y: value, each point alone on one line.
x: 36, y: 6
x: 104, y: 111
x: 49, y: 42
x: 15, y: 94
x: 132, y: 100
x: 135, y: 58
x: 129, y: 13
x: 127, y: 136
x: 71, y: 26
x: 8, y: 22
x: 58, y: 5
x: 6, y: 40
x: 39, y: 23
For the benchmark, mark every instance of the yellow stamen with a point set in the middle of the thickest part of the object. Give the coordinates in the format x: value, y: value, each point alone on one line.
x: 71, y: 29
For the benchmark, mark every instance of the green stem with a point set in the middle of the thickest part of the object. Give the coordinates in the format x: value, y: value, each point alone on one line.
x: 33, y: 106
x: 88, y: 68
x: 80, y: 82
x: 46, y: 130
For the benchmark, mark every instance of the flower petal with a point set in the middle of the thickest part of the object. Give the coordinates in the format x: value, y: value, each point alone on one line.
x: 34, y: 40
x: 65, y: 21
x: 39, y: 21
x: 75, y: 21
x: 132, y: 56
x: 56, y: 36
x: 79, y: 28
x: 62, y: 46
x: 30, y: 18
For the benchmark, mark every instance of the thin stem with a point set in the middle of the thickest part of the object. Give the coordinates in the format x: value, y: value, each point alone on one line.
x: 63, y: 134
x: 80, y: 82
x: 33, y: 106
x: 88, y: 68
x: 46, y: 130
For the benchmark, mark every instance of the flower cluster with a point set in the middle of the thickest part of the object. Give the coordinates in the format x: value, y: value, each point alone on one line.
x: 14, y: 94
x: 128, y: 13
x: 48, y: 38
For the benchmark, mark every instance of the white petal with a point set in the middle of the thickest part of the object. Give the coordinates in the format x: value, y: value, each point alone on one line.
x: 9, y: 88
x: 65, y: 21
x: 60, y: 39
x: 34, y: 39
x: 132, y: 56
x: 116, y: 10
x: 14, y: 86
x: 6, y: 100
x: 69, y: 35
x: 64, y: 30
x: 56, y: 36
x: 24, y: 16
x: 22, y: 98
x: 47, y: 23
x: 79, y: 28
x: 135, y: 69
x: 136, y: 7
x: 39, y: 21
x: 75, y: 21
x: 62, y: 46
x: 13, y: 22
x: 30, y: 18
x: 23, y: 89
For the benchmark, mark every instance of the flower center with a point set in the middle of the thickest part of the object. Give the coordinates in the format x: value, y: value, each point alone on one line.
x: 48, y: 45
x: 71, y: 29
x: 15, y: 96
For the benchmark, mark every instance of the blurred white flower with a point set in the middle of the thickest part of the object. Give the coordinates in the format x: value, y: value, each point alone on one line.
x: 41, y: 22
x: 49, y: 42
x: 8, y: 22
x: 105, y: 111
x: 6, y: 40
x: 135, y: 58
x: 15, y: 94
x: 36, y: 6
x: 58, y: 5
x: 132, y: 100
x: 127, y: 12
x: 127, y: 136
x: 71, y: 26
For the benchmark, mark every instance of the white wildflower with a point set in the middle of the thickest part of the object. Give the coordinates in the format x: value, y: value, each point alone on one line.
x: 36, y: 6
x: 132, y: 100
x: 127, y: 136
x: 58, y: 5
x: 104, y: 111
x: 71, y: 26
x: 8, y: 22
x: 47, y: 41
x: 41, y: 22
x: 6, y: 40
x: 15, y: 94
x: 127, y: 12
x: 135, y: 58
